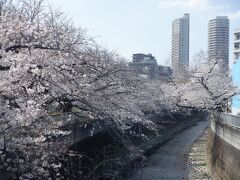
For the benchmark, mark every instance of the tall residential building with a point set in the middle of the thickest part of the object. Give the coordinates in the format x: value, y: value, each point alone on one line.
x: 180, y: 45
x: 218, y: 40
x: 236, y: 72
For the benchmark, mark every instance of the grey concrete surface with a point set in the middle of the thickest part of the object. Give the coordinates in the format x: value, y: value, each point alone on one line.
x: 167, y: 163
x: 227, y: 127
x: 196, y: 162
x: 223, y: 150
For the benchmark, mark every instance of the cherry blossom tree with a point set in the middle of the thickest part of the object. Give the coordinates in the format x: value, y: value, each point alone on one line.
x: 207, y: 88
x: 45, y: 60
x: 210, y: 87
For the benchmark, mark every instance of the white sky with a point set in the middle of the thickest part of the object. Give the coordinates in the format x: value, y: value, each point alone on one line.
x: 132, y: 26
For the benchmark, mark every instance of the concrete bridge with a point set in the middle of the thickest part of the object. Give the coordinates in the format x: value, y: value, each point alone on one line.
x: 223, y: 150
x: 87, y: 134
x: 81, y: 127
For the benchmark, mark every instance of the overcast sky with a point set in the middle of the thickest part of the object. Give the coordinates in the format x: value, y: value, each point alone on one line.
x: 133, y: 26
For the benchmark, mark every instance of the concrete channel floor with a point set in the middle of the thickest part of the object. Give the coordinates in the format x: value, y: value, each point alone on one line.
x: 167, y: 163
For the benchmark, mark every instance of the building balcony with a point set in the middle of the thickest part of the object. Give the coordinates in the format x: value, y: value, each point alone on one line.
x: 237, y: 41
x: 236, y: 50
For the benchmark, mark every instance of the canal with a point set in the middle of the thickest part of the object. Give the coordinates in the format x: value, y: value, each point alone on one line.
x: 168, y: 161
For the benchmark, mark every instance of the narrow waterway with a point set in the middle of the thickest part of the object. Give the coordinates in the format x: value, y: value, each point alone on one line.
x: 168, y: 161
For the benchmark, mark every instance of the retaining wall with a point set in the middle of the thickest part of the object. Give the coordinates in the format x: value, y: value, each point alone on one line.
x: 223, y: 150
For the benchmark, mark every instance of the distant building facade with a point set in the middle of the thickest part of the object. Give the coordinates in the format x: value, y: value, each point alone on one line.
x: 218, y: 40
x: 236, y: 72
x: 180, y: 45
x: 237, y: 44
x: 145, y: 66
x: 165, y: 73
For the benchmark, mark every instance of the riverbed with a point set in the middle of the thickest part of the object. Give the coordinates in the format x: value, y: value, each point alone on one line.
x: 167, y: 162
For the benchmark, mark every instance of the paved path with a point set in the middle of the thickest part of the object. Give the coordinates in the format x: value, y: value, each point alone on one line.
x: 167, y: 163
x: 196, y: 159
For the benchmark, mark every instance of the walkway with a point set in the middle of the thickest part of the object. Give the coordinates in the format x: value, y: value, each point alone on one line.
x: 196, y: 159
x: 167, y: 163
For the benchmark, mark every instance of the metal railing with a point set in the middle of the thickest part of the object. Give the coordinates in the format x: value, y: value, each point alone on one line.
x: 229, y: 119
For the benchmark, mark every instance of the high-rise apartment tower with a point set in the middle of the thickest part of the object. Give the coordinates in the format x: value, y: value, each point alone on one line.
x: 218, y: 40
x: 236, y: 72
x: 180, y: 45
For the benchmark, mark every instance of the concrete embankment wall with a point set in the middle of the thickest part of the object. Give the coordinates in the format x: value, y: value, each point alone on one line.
x: 223, y: 150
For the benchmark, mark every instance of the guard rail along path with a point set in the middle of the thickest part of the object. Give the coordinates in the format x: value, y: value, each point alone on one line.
x: 223, y: 149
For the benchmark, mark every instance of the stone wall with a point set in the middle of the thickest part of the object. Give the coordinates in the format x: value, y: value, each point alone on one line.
x: 223, y: 150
